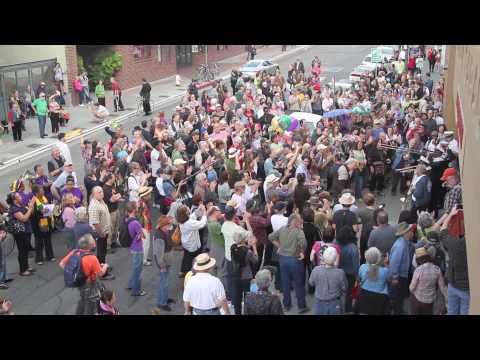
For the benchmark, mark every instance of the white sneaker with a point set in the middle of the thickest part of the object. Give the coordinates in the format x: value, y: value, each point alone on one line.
x: 82, y: 105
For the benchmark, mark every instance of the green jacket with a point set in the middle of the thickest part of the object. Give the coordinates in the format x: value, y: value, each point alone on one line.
x: 215, y: 233
x: 100, y: 91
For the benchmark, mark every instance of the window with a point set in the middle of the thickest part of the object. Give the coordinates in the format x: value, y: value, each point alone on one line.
x: 142, y: 51
x: 164, y: 54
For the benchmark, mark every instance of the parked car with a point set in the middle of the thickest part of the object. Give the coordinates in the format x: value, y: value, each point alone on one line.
x: 359, y: 71
x: 344, y: 84
x: 386, y: 52
x: 252, y: 67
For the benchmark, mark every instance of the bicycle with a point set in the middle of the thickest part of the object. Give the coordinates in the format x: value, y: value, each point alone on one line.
x: 205, y: 73
x: 140, y: 104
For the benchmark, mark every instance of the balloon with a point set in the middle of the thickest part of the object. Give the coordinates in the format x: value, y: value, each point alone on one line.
x: 275, y: 122
x: 285, y: 122
x: 293, y: 125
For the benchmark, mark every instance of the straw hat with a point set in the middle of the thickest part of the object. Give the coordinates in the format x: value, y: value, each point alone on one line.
x: 204, y: 262
x: 232, y: 203
x: 232, y: 152
x: 346, y: 199
x: 271, y: 179
x: 144, y: 191
x: 403, y: 228
x: 421, y: 251
x: 179, y: 162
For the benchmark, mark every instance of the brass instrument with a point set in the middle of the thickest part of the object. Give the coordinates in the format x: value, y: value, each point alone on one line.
x: 393, y: 147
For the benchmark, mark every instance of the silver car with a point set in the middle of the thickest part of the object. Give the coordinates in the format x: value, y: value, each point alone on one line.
x: 252, y: 67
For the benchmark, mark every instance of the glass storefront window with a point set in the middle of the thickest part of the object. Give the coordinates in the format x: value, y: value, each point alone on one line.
x: 23, y: 80
x: 10, y: 84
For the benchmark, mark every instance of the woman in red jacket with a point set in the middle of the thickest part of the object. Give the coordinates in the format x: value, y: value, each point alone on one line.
x: 411, y: 64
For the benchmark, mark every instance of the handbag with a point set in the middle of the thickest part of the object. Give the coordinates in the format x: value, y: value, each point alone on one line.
x: 15, y: 226
x: 177, y: 237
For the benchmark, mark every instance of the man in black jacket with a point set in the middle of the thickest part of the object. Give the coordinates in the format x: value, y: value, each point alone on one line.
x: 145, y: 94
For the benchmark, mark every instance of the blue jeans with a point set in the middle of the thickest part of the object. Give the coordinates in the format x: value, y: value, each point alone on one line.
x: 42, y: 120
x: 358, y: 181
x: 81, y: 94
x: 3, y: 263
x: 292, y: 269
x: 328, y: 307
x: 162, y: 289
x: 86, y: 94
x: 206, y: 312
x: 135, y: 282
x: 458, y: 301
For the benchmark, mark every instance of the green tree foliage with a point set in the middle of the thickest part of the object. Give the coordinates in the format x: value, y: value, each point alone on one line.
x: 105, y: 65
x: 80, y: 64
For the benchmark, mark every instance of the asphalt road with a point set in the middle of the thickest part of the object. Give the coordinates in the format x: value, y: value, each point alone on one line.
x: 44, y: 292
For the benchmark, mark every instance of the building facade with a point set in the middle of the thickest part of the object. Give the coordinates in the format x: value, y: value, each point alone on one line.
x: 23, y: 65
x: 462, y: 109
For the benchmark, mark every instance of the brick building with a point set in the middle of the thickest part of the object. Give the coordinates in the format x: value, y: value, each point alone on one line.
x: 155, y: 62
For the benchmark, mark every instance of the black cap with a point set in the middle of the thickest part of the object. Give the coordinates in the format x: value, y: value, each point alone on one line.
x: 280, y: 205
x: 61, y: 136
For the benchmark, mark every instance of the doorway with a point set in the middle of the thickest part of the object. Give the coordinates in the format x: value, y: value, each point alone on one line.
x: 184, y: 55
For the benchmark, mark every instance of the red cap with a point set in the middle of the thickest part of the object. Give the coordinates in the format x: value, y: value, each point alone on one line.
x: 316, y: 87
x: 447, y: 173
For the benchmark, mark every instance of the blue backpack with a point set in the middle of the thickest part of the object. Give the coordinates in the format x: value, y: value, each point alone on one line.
x: 73, y: 271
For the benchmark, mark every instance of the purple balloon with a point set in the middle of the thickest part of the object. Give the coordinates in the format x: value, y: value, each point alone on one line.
x: 293, y: 125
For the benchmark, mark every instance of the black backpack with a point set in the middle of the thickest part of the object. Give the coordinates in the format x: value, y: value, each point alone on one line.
x: 239, y: 258
x: 123, y: 235
x: 73, y: 272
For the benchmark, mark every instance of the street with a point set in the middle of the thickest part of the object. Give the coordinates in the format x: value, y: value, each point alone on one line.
x: 45, y: 293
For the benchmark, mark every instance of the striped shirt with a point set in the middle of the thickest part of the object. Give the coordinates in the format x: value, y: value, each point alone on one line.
x: 453, y: 197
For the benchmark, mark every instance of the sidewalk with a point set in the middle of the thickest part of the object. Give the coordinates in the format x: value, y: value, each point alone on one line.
x: 163, y: 92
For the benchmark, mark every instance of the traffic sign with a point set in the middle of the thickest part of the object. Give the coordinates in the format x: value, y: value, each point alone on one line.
x: 376, y: 57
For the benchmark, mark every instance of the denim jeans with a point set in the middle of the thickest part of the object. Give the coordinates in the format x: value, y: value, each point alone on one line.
x: 81, y: 94
x: 135, y: 282
x: 328, y: 307
x: 358, y: 182
x: 3, y: 262
x: 42, y: 120
x: 458, y: 301
x: 86, y: 94
x: 162, y: 289
x: 292, y: 269
x: 206, y: 312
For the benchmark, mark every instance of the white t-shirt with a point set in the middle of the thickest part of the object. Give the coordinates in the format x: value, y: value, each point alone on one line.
x: 278, y: 221
x: 204, y: 291
x: 228, y: 229
x: 156, y: 164
x: 439, y: 120
x: 64, y: 151
x: 134, y: 186
x: 159, y: 185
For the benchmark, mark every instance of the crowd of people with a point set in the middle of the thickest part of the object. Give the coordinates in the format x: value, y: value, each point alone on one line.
x: 260, y: 203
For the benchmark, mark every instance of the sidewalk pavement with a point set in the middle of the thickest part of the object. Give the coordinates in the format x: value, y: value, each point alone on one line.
x: 82, y: 120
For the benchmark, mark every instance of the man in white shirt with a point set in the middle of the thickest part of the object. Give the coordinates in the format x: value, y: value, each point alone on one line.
x: 279, y: 219
x: 63, y: 147
x: 58, y: 184
x: 229, y: 229
x: 204, y: 293
x: 100, y: 111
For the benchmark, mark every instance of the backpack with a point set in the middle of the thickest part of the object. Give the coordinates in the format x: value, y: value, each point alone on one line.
x: 73, y: 272
x: 123, y: 234
x: 239, y: 258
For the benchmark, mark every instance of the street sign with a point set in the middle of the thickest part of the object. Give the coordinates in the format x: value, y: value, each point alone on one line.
x: 376, y: 57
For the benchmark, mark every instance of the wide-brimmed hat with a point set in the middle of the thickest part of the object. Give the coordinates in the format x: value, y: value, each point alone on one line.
x: 204, y: 262
x: 448, y: 134
x: 232, y: 152
x: 271, y: 179
x: 164, y: 220
x: 144, y: 191
x: 321, y: 147
x: 346, y: 199
x: 179, y: 162
x: 403, y: 228
x: 232, y: 203
x: 421, y: 251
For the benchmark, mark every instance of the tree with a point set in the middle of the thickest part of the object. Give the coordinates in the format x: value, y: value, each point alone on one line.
x: 105, y: 65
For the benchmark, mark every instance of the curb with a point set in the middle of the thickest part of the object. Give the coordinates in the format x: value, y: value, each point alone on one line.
x: 27, y: 156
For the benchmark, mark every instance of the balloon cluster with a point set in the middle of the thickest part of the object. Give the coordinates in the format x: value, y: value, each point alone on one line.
x: 284, y: 123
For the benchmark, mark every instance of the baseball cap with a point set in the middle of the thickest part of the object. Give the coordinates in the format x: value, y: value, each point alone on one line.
x: 447, y: 173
